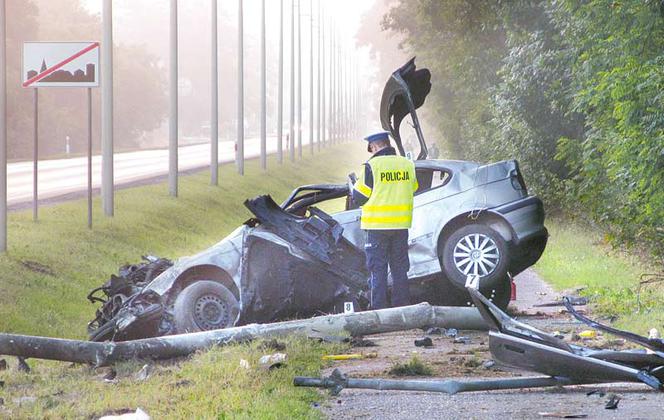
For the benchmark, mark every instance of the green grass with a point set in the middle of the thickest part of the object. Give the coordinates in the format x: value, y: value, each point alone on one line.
x: 577, y: 256
x: 211, y: 384
x: 414, y: 367
x: 147, y: 221
x: 47, y: 297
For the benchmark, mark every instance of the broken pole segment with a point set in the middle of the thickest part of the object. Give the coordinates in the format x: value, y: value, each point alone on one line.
x: 337, y: 382
x: 404, y: 318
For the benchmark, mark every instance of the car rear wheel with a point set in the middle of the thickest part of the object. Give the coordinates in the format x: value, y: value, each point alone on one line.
x: 205, y: 305
x: 477, y: 250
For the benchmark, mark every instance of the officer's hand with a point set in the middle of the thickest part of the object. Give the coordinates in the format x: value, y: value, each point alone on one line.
x: 352, y: 179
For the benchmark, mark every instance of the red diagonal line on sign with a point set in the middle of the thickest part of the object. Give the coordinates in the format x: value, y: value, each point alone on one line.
x: 51, y: 69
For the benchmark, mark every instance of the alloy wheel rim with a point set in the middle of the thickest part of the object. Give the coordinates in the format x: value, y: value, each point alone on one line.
x: 476, y: 254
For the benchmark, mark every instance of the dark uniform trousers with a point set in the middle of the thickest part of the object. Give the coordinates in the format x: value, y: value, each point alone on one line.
x: 384, y: 247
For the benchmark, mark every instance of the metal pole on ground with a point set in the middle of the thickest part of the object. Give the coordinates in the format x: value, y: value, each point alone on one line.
x: 214, y: 96
x: 239, y: 154
x: 263, y: 92
x: 89, y: 95
x: 311, y: 77
x: 291, y: 139
x: 280, y: 94
x: 173, y: 93
x: 107, y: 109
x: 35, y: 154
x: 3, y: 129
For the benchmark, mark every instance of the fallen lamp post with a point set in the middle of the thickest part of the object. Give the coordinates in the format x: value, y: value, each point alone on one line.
x: 355, y: 324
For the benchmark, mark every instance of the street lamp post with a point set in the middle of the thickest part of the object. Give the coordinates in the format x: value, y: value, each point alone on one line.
x: 173, y: 93
x: 311, y: 77
x: 214, y: 97
x: 299, y: 78
x: 263, y: 92
x: 239, y: 153
x: 280, y: 94
x: 291, y: 139
x: 3, y: 129
x: 318, y: 81
x: 107, y: 108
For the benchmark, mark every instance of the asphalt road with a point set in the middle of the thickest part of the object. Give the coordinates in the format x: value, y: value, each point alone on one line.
x: 465, y: 362
x: 62, y: 177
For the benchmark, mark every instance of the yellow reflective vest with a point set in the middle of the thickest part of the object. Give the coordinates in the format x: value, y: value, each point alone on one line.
x: 390, y: 204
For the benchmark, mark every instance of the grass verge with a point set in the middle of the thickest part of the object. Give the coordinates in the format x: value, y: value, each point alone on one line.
x: 211, y: 384
x: 51, y: 265
x: 578, y: 257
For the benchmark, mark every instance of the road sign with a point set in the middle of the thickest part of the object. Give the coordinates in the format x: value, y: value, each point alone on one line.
x: 60, y: 64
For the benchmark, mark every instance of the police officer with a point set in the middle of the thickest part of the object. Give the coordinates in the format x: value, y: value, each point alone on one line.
x: 385, y: 191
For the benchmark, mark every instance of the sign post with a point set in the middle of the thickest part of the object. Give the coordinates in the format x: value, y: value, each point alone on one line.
x: 60, y: 64
x: 3, y: 129
x: 35, y: 153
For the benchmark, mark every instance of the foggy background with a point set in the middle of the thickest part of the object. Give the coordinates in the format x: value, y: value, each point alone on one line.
x: 141, y: 75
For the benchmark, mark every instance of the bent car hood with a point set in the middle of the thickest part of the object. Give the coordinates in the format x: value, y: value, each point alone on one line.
x: 404, y: 92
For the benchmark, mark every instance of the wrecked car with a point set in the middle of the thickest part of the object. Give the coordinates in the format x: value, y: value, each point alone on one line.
x: 293, y: 259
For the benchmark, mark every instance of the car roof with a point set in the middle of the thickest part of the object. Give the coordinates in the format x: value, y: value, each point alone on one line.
x: 449, y: 165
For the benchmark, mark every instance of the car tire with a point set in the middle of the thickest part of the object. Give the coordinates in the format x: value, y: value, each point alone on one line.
x: 205, y: 305
x: 477, y: 249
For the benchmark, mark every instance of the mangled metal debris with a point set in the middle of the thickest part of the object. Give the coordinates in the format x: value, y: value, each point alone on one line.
x: 522, y: 346
x: 653, y: 343
x: 354, y: 324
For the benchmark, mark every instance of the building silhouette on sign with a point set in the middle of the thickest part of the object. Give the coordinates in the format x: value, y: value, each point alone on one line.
x: 64, y: 76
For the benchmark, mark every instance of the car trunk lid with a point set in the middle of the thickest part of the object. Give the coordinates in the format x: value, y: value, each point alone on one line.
x: 404, y: 92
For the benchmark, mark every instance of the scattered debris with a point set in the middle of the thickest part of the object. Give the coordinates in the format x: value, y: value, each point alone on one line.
x: 356, y: 324
x: 183, y: 383
x: 37, y: 267
x: 424, y: 342
x: 488, y: 364
x: 272, y: 344
x: 415, y: 367
x: 362, y: 342
x: 353, y: 356
x: 3, y: 364
x: 244, y: 364
x: 574, y: 300
x: 23, y: 365
x: 145, y: 372
x: 435, y: 331
x: 109, y: 375
x: 588, y: 334
x: 451, y: 332
x: 559, y: 415
x: 597, y: 392
x: 462, y: 340
x: 654, y: 344
x: 272, y: 361
x: 25, y: 400
x: 127, y: 415
x: 613, y: 401
x: 558, y: 334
